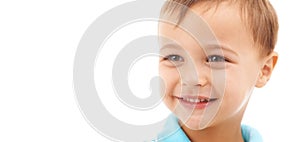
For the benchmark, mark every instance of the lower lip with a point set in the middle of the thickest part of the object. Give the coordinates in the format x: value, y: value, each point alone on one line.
x: 195, y: 105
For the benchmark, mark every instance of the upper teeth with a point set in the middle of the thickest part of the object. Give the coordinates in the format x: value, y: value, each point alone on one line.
x: 195, y: 100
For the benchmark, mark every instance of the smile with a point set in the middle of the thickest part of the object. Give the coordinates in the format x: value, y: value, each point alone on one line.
x: 196, y: 102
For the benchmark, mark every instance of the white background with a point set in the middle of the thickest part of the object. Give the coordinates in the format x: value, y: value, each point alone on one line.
x: 38, y: 41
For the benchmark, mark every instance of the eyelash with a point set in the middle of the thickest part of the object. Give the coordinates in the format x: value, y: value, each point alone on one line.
x: 223, y: 59
x: 173, y: 55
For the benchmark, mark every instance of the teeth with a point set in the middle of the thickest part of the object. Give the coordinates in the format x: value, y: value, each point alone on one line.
x: 195, y: 100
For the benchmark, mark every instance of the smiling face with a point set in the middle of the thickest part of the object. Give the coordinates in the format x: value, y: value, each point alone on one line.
x: 210, y: 82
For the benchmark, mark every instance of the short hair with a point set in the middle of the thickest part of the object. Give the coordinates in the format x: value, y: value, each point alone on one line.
x: 259, y: 17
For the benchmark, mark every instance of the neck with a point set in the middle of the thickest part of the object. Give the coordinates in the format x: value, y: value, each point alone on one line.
x: 228, y: 130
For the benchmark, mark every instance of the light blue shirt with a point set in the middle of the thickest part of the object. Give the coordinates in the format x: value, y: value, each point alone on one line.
x: 172, y: 132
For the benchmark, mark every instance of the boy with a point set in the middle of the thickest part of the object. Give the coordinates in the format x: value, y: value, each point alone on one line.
x: 210, y: 66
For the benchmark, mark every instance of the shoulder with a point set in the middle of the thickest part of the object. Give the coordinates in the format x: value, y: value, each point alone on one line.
x: 251, y: 134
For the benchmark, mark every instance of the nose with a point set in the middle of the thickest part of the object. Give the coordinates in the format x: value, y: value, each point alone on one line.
x: 195, y: 75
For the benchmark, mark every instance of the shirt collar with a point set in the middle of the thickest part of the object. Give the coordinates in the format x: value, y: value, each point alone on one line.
x: 173, y: 132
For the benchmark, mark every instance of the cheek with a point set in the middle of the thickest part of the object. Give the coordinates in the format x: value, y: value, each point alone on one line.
x: 238, y: 89
x: 170, y: 78
x: 235, y: 94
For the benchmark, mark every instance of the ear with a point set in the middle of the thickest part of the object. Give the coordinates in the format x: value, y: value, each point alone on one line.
x: 267, y: 69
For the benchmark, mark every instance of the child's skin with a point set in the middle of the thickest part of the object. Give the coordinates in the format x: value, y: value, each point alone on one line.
x: 245, y: 68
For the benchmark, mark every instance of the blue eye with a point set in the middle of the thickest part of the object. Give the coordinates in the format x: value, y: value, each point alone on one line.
x: 174, y: 58
x: 216, y: 58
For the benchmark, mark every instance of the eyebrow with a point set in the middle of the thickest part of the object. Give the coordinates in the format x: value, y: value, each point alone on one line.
x: 171, y: 45
x: 223, y: 47
x: 210, y: 46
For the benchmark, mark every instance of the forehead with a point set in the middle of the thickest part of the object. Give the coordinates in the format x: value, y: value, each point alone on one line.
x: 224, y: 22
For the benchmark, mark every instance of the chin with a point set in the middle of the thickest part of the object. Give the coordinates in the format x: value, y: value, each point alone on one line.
x: 196, y: 123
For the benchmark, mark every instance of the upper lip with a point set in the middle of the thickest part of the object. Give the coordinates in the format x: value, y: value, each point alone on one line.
x: 194, y: 97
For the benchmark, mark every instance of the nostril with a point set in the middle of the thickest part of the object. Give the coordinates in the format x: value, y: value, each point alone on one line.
x: 194, y: 82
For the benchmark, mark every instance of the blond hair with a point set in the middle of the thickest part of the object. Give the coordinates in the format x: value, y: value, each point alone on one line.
x: 260, y: 19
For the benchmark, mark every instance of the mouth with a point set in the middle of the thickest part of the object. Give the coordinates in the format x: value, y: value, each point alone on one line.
x: 196, y: 102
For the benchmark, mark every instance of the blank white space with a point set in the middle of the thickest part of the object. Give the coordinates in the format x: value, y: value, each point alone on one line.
x: 140, y: 74
x: 142, y: 70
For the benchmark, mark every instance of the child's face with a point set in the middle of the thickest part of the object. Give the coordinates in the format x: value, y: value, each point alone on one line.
x: 193, y: 73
